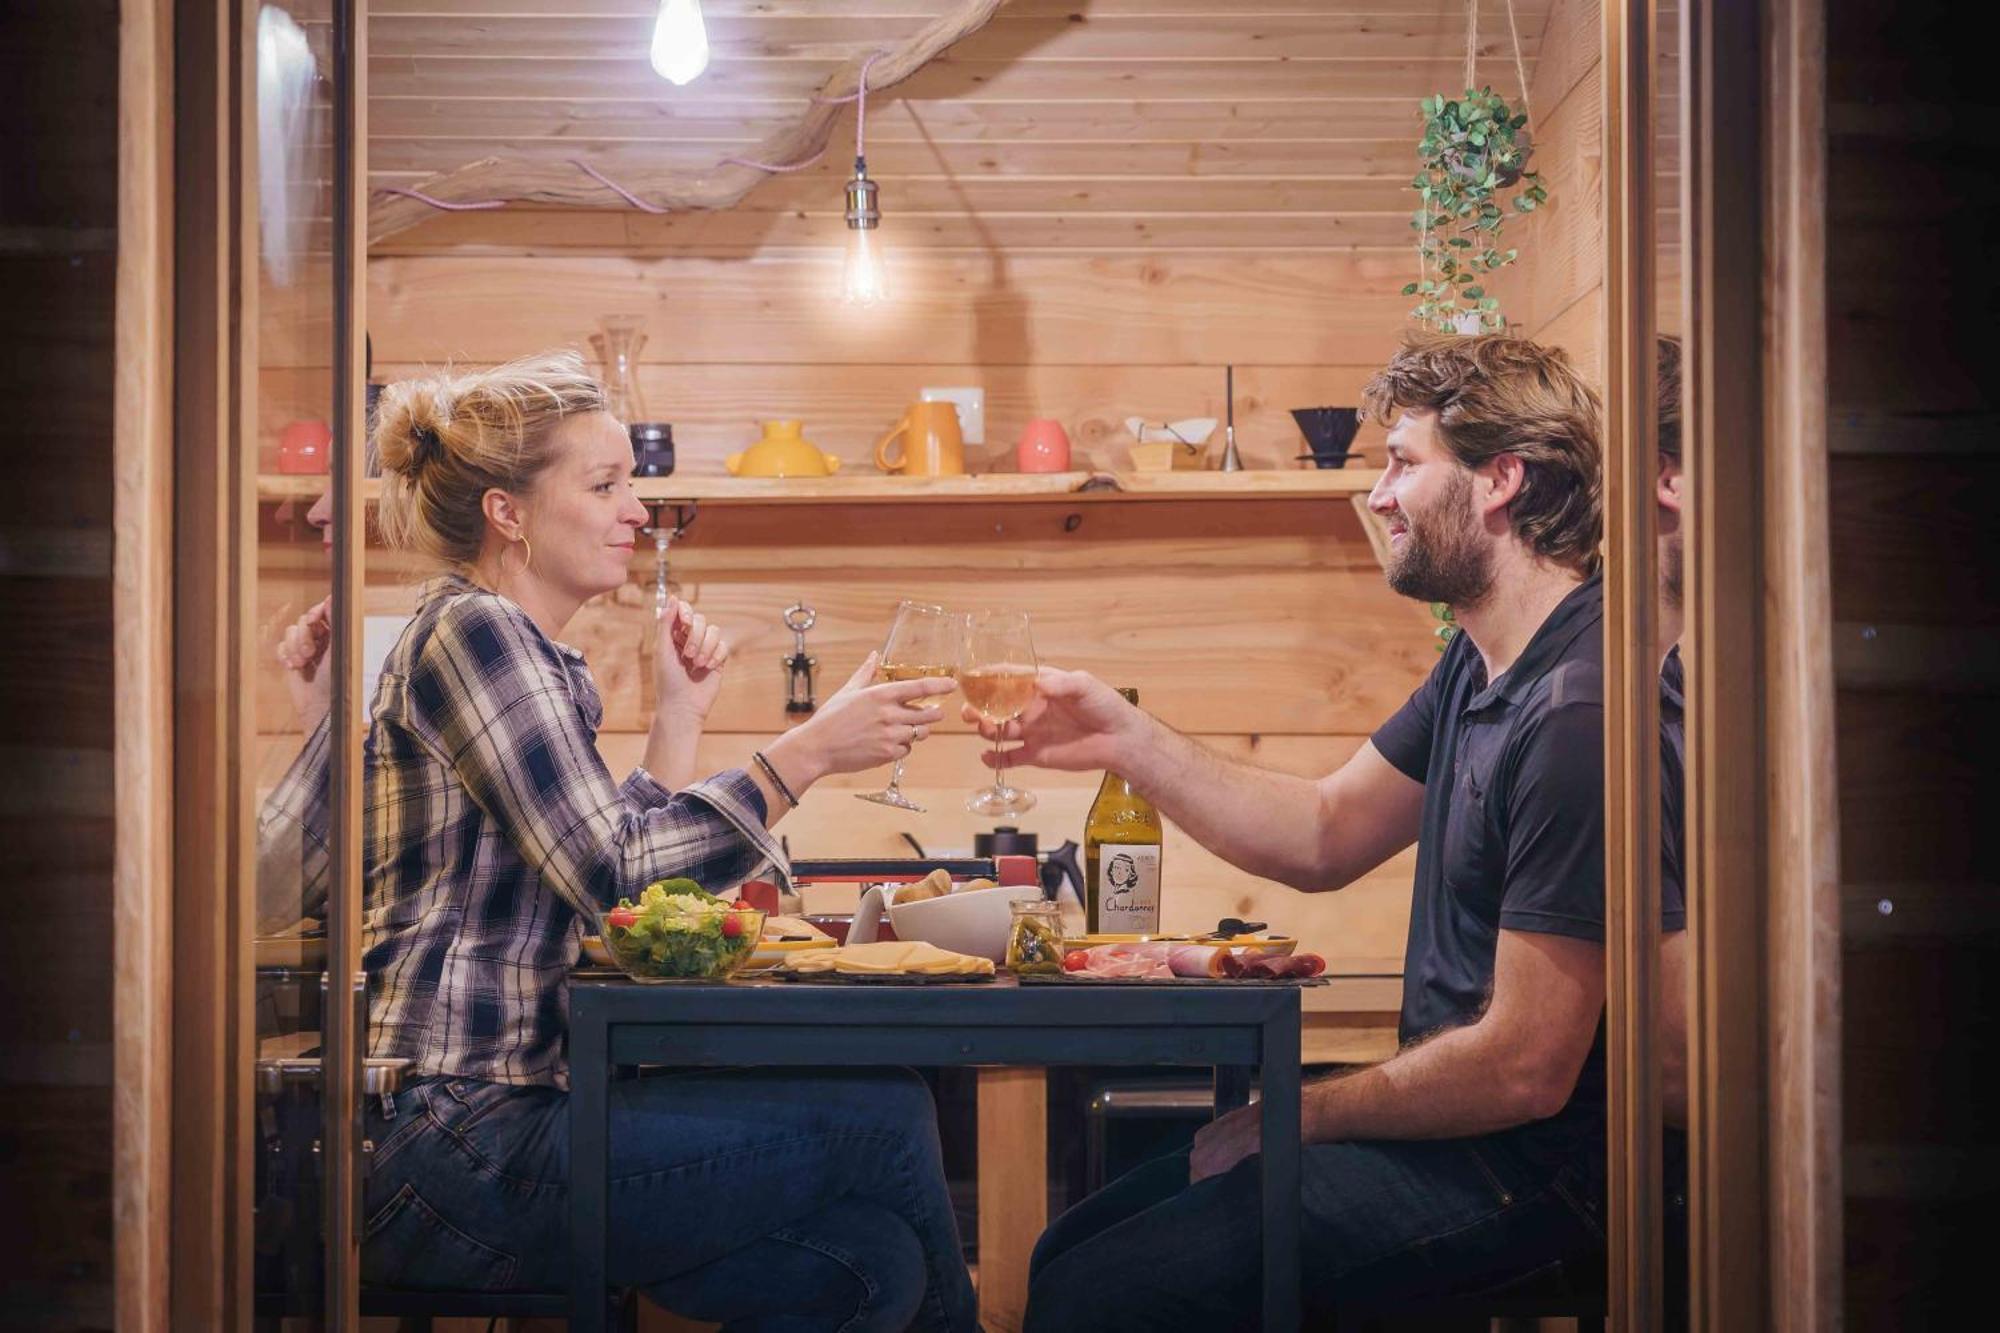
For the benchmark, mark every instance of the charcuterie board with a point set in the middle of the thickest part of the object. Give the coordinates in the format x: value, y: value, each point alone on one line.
x: 1078, y: 979
x: 872, y: 978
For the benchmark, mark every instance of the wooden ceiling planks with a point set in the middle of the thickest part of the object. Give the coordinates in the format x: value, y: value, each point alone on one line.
x: 1088, y: 125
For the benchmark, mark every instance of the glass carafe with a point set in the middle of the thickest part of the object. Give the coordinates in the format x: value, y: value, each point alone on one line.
x: 617, y: 351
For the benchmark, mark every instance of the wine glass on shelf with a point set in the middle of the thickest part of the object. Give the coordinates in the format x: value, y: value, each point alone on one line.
x: 924, y: 640
x: 997, y: 672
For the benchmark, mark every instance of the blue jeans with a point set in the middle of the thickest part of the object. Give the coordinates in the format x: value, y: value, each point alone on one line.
x: 1382, y: 1222
x: 765, y: 1200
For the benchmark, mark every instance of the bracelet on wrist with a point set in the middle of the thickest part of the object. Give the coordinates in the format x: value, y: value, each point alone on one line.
x: 776, y: 781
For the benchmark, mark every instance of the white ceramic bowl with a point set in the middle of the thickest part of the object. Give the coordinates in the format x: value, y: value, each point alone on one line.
x: 973, y: 922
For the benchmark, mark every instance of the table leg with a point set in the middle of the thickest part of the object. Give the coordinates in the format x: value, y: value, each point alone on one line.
x: 1013, y: 1189
x: 1279, y: 1126
x: 589, y: 1164
x: 1232, y: 1088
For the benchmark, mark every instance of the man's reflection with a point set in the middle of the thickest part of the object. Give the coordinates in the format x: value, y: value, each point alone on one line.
x: 292, y: 823
x: 1669, y: 495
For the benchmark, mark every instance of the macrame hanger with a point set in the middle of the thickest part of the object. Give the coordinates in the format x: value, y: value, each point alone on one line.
x: 1471, y: 44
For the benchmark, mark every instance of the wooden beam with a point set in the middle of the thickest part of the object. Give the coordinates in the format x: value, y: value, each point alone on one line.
x: 212, y: 1164
x: 1722, y: 387
x: 719, y: 187
x: 1803, y: 1036
x: 142, y: 623
x: 1631, y: 670
x: 346, y: 1018
x: 1013, y: 1189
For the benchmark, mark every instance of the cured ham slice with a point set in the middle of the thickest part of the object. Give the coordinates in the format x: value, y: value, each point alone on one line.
x: 1272, y: 966
x: 1155, y: 961
x: 1151, y: 961
x: 1204, y: 960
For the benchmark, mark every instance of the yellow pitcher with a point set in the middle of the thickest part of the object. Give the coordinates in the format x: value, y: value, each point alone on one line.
x: 783, y: 451
x: 931, y: 443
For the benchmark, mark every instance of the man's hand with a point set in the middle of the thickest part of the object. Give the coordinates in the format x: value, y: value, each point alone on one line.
x: 1221, y: 1144
x: 302, y: 651
x: 1076, y: 723
x: 687, y: 662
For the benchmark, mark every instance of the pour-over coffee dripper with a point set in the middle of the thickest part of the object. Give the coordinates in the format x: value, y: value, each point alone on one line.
x: 1328, y: 432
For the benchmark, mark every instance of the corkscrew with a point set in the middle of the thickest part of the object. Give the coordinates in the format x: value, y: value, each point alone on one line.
x: 799, y: 667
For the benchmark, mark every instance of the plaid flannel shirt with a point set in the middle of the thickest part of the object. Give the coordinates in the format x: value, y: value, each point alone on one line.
x: 291, y: 837
x: 494, y: 832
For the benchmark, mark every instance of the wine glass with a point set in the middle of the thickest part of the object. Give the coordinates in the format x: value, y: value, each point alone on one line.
x: 997, y: 673
x: 923, y: 640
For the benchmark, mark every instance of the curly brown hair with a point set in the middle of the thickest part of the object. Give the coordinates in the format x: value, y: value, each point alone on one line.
x: 1498, y: 394
x: 1669, y: 372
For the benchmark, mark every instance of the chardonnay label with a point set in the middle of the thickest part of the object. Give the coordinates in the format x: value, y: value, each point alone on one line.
x: 1128, y: 888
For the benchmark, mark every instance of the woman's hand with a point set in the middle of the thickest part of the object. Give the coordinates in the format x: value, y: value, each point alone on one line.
x: 302, y: 652
x: 687, y: 663
x: 865, y: 725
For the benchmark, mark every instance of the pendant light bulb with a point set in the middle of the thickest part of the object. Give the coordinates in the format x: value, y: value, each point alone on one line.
x: 861, y: 278
x: 680, y: 41
x: 862, y: 281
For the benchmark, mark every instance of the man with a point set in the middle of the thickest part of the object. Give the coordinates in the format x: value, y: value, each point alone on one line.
x: 1668, y: 495
x: 1475, y: 1156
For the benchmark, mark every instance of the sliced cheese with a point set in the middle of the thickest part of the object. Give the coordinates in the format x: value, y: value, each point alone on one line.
x: 891, y: 957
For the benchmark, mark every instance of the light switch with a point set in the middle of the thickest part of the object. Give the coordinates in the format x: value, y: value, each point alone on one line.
x: 971, y: 402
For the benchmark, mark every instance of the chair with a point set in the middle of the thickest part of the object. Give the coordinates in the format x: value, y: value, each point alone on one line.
x: 1552, y: 1293
x: 414, y: 1310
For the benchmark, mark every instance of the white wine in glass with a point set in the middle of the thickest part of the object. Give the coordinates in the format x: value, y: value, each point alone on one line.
x: 924, y: 640
x: 997, y: 674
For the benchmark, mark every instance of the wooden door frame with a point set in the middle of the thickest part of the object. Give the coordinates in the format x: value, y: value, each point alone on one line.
x: 1802, y: 854
x: 214, y: 1041
x: 142, y: 659
x: 1763, y: 830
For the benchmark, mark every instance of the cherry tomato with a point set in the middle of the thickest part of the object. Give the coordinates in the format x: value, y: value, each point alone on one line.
x: 732, y: 926
x: 741, y: 905
x: 1076, y: 960
x: 623, y: 917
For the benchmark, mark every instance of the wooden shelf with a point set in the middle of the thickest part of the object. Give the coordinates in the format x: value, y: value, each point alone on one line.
x: 989, y: 488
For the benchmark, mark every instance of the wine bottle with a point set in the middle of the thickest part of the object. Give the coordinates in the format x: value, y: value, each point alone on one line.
x: 1121, y: 858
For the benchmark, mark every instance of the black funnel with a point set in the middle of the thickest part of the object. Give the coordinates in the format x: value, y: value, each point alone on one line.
x: 1328, y: 432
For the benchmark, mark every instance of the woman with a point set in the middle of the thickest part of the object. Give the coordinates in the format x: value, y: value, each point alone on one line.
x: 761, y: 1200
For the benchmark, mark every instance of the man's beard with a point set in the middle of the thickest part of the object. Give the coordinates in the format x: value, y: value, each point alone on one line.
x: 1671, y: 569
x: 1442, y: 558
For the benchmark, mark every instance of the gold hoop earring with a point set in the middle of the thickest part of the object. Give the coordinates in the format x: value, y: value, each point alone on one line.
x: 528, y: 556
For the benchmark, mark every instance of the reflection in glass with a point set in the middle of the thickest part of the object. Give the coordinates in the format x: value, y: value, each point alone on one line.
x: 1670, y: 494
x: 289, y: 352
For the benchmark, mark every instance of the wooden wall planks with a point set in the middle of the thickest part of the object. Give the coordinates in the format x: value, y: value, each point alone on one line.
x: 1914, y: 553
x: 58, y: 242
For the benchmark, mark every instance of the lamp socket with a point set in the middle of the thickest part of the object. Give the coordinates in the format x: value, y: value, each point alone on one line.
x: 971, y: 400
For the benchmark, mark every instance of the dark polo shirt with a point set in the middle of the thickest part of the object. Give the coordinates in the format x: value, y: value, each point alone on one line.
x: 1513, y: 823
x: 1673, y: 795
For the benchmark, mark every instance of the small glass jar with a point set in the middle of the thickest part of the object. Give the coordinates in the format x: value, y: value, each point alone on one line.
x: 1034, y: 936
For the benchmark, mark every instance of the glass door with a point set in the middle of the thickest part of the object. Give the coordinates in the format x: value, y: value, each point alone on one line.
x: 301, y: 445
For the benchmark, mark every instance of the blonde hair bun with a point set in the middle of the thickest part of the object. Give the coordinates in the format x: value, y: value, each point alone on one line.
x: 446, y: 439
x: 411, y: 424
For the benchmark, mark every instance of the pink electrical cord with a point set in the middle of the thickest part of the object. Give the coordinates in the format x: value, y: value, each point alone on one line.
x: 444, y: 204
x: 615, y: 187
x: 859, y: 96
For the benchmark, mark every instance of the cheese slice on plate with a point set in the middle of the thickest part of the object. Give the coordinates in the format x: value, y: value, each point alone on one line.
x: 891, y: 957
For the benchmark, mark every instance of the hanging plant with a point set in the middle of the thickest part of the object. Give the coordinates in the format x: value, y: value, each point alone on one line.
x: 1447, y: 625
x: 1475, y: 148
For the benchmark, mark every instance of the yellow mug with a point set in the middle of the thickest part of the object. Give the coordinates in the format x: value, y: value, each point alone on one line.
x: 931, y: 445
